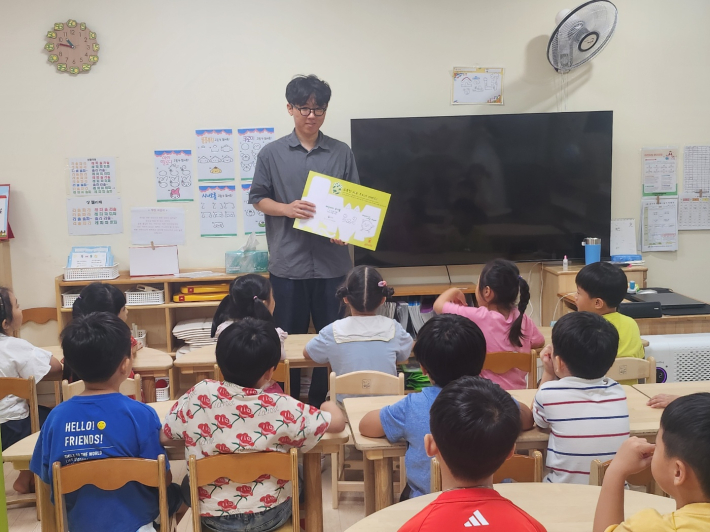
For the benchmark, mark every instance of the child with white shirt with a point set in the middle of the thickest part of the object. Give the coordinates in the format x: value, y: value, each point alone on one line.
x: 364, y: 341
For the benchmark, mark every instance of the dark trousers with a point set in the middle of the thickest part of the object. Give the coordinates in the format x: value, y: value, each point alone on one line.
x: 297, y: 301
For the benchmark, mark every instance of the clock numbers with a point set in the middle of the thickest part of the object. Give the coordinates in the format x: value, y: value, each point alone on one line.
x: 60, y: 39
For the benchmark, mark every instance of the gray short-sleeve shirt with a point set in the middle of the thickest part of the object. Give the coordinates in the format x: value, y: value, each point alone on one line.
x: 281, y: 171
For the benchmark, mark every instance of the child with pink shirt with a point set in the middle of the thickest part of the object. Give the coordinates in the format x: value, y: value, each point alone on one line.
x: 505, y: 326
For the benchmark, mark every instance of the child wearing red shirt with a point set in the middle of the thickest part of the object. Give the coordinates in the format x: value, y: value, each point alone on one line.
x: 474, y: 424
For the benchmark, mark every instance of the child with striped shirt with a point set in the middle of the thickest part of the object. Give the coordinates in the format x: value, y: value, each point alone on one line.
x: 585, y: 411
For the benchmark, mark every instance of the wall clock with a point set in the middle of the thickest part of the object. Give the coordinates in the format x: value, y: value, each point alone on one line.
x: 72, y: 47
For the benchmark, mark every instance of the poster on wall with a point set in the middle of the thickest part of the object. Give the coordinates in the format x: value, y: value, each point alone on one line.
x: 4, y: 205
x: 696, y: 169
x: 218, y: 210
x: 94, y: 215
x: 92, y: 176
x: 477, y: 85
x: 173, y: 175
x: 660, y: 171
x: 157, y: 226
x: 251, y: 141
x: 253, y: 220
x: 215, y: 155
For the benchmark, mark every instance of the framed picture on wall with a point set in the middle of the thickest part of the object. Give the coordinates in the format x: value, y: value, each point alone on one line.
x: 4, y: 204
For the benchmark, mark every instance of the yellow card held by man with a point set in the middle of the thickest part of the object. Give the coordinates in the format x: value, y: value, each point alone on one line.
x: 345, y: 211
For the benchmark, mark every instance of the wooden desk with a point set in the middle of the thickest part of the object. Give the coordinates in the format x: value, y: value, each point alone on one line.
x: 673, y: 388
x: 200, y: 362
x: 558, y: 507
x: 148, y: 363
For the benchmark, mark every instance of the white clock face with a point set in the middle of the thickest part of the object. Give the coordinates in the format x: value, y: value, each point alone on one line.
x: 72, y: 47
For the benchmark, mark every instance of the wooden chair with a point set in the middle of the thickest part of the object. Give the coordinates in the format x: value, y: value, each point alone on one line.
x: 642, y: 478
x: 518, y: 467
x: 281, y: 374
x: 243, y: 469
x: 628, y: 368
x: 110, y: 474
x: 503, y: 361
x: 360, y: 383
x: 24, y: 389
x: 131, y: 387
x: 40, y: 316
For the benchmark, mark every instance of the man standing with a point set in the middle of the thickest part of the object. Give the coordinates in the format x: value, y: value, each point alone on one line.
x: 305, y: 269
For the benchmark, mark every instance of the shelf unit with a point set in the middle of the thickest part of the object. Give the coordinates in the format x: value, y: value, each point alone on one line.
x: 159, y: 320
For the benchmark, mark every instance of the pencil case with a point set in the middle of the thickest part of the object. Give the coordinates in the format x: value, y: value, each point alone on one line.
x: 182, y: 298
x: 205, y: 288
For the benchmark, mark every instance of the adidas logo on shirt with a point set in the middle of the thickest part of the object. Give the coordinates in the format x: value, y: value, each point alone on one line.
x: 476, y: 519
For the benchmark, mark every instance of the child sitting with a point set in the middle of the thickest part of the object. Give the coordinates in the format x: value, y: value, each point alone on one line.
x: 601, y: 287
x: 20, y: 359
x: 102, y: 423
x: 505, y: 326
x: 585, y: 411
x: 363, y: 341
x: 99, y: 297
x: 237, y: 416
x: 679, y: 464
x: 474, y: 424
x: 448, y: 347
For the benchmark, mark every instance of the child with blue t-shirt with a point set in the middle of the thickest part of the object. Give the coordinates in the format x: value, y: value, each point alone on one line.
x: 448, y: 347
x: 364, y: 341
x: 102, y: 423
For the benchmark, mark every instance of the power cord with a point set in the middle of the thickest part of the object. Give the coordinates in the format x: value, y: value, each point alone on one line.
x: 449, y: 274
x: 558, y: 304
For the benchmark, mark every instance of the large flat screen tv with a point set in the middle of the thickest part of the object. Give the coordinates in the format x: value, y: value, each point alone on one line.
x: 468, y: 189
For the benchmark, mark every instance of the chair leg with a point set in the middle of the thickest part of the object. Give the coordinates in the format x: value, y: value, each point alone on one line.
x: 38, y: 495
x: 402, y: 475
x: 335, y: 477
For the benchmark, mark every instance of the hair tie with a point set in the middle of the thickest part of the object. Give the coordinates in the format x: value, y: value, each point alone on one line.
x: 256, y: 298
x: 78, y: 297
x: 382, y: 284
x: 520, y: 277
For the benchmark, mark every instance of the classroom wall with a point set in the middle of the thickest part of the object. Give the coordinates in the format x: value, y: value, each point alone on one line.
x: 169, y: 67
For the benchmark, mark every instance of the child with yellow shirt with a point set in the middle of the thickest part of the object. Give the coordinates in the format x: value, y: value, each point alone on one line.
x: 600, y: 289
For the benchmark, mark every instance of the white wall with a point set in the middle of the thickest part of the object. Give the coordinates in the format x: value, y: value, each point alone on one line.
x: 169, y: 67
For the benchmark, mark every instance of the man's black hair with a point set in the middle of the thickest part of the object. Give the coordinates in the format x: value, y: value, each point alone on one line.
x: 246, y: 350
x: 586, y: 342
x: 450, y: 346
x: 95, y: 345
x: 686, y: 434
x: 605, y: 281
x: 301, y: 88
x: 474, y: 423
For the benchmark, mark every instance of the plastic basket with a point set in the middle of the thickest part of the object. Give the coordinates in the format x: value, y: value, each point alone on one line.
x: 162, y: 389
x: 156, y: 297
x: 91, y: 274
x: 142, y: 338
x: 68, y: 299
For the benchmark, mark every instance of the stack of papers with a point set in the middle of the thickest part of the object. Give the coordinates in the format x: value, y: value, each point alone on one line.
x: 419, y: 314
x: 388, y: 309
x: 196, y: 333
x: 90, y: 257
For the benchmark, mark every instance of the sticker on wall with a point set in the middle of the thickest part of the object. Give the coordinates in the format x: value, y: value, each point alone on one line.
x: 94, y: 215
x: 251, y: 141
x: 173, y: 175
x: 253, y: 220
x: 92, y: 176
x: 218, y: 210
x: 477, y: 85
x: 215, y: 155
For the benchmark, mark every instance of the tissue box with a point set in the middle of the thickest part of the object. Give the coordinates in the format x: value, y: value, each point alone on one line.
x: 246, y: 261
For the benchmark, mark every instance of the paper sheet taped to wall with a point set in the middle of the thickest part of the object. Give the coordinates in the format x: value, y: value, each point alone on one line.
x: 659, y: 224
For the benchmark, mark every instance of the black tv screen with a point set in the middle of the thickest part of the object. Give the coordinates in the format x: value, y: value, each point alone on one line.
x: 468, y: 189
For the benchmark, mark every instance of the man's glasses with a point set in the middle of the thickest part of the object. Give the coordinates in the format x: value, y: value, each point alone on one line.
x: 306, y: 111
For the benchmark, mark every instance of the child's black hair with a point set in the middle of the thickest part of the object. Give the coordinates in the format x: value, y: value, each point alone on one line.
x: 95, y: 345
x: 301, y: 88
x: 686, y: 434
x: 364, y: 289
x: 5, y: 307
x: 586, y: 342
x: 449, y: 346
x: 605, y: 281
x: 246, y: 350
x: 474, y: 423
x: 503, y: 277
x: 99, y: 297
x: 247, y: 298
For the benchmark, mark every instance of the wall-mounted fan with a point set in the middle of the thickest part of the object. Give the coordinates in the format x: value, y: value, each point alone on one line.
x: 581, y: 34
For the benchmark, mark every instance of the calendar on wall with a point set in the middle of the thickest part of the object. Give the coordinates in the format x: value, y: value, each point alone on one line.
x: 92, y: 176
x: 94, y: 216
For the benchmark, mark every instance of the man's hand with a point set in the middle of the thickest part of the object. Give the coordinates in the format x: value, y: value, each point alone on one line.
x: 299, y: 209
x: 337, y: 241
x: 633, y: 456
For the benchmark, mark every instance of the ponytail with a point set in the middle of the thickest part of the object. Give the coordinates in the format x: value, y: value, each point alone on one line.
x: 364, y: 289
x: 503, y: 278
x: 515, y: 335
x: 247, y: 298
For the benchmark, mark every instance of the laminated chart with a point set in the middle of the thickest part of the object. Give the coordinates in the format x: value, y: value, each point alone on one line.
x: 173, y: 175
x: 345, y: 211
x: 218, y: 210
x: 92, y: 176
x: 94, y: 216
x: 251, y: 141
x: 254, y: 221
x: 215, y: 155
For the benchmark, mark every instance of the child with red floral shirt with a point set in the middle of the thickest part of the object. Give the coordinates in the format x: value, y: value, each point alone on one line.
x: 236, y: 416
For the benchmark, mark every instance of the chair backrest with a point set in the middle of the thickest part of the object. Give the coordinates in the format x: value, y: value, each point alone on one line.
x: 282, y: 373
x: 628, y: 368
x: 503, y: 361
x: 242, y: 468
x: 598, y: 469
x: 128, y: 387
x: 39, y: 315
x: 24, y: 389
x: 110, y: 474
x: 366, y: 383
x: 435, y: 482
